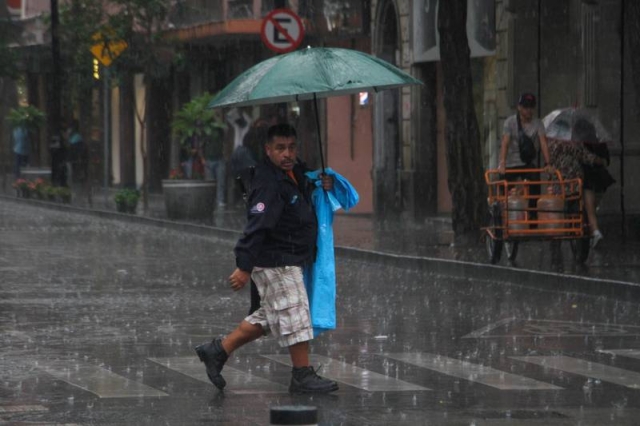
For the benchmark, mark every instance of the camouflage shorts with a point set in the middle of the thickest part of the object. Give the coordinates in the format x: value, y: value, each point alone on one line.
x: 284, y: 310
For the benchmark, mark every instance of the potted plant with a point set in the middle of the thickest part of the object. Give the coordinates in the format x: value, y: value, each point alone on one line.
x: 38, y: 188
x: 29, y: 117
x: 193, y: 126
x: 22, y: 188
x: 49, y: 193
x: 64, y: 194
x: 187, y: 195
x: 127, y: 200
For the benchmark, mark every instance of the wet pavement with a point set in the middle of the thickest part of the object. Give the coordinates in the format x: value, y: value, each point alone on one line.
x: 99, y: 315
x: 617, y: 258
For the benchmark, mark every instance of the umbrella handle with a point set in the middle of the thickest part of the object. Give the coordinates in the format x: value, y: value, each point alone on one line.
x: 315, y: 104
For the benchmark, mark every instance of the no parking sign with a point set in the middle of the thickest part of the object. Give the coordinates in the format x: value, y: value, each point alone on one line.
x: 282, y: 31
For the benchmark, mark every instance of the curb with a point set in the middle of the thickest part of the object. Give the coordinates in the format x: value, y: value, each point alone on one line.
x: 539, y: 280
x: 193, y: 228
x: 527, y: 278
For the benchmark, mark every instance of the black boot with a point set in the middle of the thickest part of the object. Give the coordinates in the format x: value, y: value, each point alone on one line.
x: 306, y: 380
x: 214, y: 357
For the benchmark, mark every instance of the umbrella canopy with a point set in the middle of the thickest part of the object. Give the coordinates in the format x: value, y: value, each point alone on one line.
x: 575, y: 125
x: 311, y: 73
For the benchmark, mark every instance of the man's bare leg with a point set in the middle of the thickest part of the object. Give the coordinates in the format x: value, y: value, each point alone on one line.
x: 243, y: 334
x: 299, y: 354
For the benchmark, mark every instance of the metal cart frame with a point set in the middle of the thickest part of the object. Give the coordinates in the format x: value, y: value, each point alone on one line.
x: 509, y: 226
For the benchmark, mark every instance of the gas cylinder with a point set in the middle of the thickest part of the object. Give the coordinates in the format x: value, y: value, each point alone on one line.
x: 550, y: 210
x: 517, y: 205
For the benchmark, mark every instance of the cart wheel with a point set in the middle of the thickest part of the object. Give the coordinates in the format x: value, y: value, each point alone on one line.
x: 511, y: 250
x: 494, y: 245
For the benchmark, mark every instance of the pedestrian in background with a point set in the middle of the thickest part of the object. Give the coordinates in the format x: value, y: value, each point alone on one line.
x: 596, y: 176
x: 279, y: 240
x: 510, y: 156
x: 78, y: 153
x: 20, y: 136
x: 242, y: 157
x: 532, y: 126
x: 214, y: 157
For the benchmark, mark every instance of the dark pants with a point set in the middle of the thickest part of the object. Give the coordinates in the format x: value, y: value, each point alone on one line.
x: 20, y: 162
x: 79, y: 158
x: 58, y: 166
x: 255, y: 298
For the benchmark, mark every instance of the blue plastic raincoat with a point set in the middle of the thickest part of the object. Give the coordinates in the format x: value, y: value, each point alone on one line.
x: 320, y: 278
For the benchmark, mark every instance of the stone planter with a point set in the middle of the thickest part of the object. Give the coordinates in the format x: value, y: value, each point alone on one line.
x: 187, y: 199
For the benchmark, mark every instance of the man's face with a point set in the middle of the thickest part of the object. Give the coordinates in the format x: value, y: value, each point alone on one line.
x: 282, y: 151
x: 526, y: 112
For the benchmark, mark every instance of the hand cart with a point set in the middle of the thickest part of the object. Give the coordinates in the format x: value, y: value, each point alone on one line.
x: 516, y: 213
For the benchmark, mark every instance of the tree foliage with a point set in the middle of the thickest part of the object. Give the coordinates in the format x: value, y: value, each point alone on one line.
x: 79, y: 21
x: 140, y: 24
x: 195, y: 120
x: 9, y: 55
x: 28, y: 117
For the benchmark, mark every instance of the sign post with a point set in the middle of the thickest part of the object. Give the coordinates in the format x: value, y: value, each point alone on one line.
x: 282, y: 31
x: 106, y: 49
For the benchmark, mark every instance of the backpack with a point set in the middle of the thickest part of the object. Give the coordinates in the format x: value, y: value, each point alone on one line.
x: 525, y: 144
x: 244, y: 179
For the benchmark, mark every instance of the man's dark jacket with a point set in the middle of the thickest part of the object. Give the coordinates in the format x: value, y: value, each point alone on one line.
x: 282, y: 227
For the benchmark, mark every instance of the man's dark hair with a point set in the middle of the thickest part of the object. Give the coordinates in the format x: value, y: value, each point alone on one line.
x: 527, y: 100
x: 284, y: 130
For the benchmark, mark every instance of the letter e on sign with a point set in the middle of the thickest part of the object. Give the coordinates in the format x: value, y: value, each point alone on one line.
x: 282, y: 31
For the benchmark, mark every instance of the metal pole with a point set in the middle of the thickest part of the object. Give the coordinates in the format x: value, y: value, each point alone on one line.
x: 539, y: 70
x: 107, y: 133
x: 315, y: 104
x: 622, y: 210
x: 56, y: 144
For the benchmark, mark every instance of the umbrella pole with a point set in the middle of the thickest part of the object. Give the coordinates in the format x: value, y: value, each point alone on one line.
x: 315, y: 105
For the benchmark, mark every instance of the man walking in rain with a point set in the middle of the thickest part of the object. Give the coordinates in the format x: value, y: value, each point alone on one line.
x: 279, y: 239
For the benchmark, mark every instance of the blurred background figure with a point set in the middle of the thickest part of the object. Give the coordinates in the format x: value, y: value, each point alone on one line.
x: 596, y: 176
x: 214, y: 158
x: 78, y: 153
x: 572, y: 159
x: 20, y: 136
x: 241, y: 158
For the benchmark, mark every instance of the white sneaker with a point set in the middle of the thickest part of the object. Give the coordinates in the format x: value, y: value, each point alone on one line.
x: 596, y: 237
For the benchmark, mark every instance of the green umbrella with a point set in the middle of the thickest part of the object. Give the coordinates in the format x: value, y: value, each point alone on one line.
x: 311, y: 73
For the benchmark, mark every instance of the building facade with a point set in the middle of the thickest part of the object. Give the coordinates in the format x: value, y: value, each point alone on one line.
x: 391, y: 145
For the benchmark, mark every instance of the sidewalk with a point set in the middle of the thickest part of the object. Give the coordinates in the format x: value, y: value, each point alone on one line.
x: 613, y: 260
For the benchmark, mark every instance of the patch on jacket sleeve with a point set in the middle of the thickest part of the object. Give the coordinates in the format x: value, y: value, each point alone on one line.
x: 258, y: 208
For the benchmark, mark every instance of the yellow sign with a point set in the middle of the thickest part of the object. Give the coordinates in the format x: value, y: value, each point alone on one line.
x: 107, y: 47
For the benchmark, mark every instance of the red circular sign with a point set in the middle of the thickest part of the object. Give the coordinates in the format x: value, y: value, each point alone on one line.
x: 14, y: 6
x: 282, y: 30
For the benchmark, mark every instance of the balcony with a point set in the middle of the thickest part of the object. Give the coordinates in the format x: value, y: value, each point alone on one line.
x: 186, y: 13
x: 192, y: 20
x: 202, y: 19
